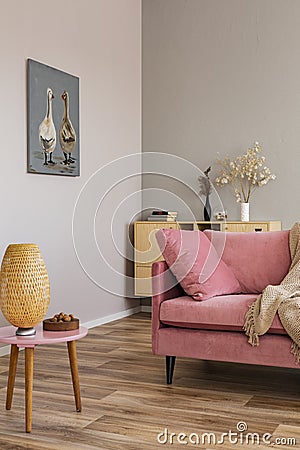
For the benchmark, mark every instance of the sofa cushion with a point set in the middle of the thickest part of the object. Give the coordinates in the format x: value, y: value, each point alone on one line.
x: 257, y: 259
x: 225, y: 313
x: 195, y: 263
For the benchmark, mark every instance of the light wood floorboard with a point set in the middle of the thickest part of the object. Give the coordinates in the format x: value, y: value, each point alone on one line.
x: 126, y: 402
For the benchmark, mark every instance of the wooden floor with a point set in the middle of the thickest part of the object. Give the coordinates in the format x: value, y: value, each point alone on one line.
x: 126, y: 402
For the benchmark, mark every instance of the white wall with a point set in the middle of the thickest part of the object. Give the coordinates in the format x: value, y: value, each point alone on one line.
x: 218, y: 75
x: 99, y: 41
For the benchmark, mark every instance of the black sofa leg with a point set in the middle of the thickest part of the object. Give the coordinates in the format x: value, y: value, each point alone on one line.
x: 170, y: 364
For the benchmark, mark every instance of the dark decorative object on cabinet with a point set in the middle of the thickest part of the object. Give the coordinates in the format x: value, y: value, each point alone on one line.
x: 207, y: 209
x: 205, y: 189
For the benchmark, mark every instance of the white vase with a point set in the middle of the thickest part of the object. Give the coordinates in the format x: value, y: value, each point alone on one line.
x: 245, y: 212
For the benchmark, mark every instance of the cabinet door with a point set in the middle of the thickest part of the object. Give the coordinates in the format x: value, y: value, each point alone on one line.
x: 146, y: 247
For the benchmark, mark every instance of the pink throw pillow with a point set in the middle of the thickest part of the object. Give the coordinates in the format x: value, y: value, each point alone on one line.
x: 195, y: 263
x: 257, y: 259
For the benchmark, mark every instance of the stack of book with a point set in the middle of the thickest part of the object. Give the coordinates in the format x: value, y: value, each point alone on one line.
x: 163, y: 216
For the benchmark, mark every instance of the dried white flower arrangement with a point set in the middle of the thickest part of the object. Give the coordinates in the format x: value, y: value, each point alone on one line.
x: 205, y: 183
x: 245, y: 174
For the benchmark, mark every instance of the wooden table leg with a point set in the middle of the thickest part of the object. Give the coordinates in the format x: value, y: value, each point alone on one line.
x: 74, y: 373
x: 29, y: 352
x: 13, y: 361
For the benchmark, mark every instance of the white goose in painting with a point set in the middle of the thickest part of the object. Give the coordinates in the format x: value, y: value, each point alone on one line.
x: 67, y: 135
x: 47, y: 132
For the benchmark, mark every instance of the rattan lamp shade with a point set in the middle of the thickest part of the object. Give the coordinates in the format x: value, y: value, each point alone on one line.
x: 24, y: 286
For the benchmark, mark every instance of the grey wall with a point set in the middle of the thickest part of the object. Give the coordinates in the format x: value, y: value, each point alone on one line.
x: 99, y: 41
x: 218, y: 75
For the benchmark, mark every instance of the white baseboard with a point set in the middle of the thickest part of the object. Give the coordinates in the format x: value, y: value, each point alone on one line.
x: 112, y: 317
x: 146, y: 308
x: 5, y: 350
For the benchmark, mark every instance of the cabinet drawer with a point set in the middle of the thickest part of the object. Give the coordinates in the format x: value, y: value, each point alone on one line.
x: 246, y: 227
x: 146, y: 247
x: 143, y: 280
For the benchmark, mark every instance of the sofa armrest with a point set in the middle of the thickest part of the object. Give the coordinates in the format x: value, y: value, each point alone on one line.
x: 164, y: 287
x: 164, y: 283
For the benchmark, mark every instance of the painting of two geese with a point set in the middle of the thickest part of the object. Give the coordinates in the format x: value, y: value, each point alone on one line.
x: 53, y: 121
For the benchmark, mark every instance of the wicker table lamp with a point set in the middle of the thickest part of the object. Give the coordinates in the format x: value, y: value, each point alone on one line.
x: 24, y: 287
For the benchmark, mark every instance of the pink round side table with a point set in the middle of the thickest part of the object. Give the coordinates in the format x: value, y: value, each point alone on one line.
x: 8, y: 336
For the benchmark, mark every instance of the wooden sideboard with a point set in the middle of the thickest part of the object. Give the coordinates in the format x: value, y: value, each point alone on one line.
x: 146, y: 250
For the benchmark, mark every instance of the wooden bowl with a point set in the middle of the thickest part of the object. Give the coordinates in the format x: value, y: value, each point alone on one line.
x: 60, y: 326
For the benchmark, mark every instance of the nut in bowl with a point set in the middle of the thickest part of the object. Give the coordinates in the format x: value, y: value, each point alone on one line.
x: 61, y: 322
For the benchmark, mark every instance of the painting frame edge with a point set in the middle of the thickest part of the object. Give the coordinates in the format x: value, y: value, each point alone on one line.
x: 29, y: 167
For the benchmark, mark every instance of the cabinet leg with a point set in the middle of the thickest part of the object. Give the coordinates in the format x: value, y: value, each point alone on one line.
x: 74, y: 373
x: 13, y: 361
x: 29, y: 352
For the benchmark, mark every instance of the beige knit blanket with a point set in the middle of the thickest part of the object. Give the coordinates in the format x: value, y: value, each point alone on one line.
x: 284, y: 299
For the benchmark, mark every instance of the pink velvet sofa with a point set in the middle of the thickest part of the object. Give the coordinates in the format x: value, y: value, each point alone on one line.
x: 212, y: 329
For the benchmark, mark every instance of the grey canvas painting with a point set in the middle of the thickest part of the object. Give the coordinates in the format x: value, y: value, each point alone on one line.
x: 53, y: 121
